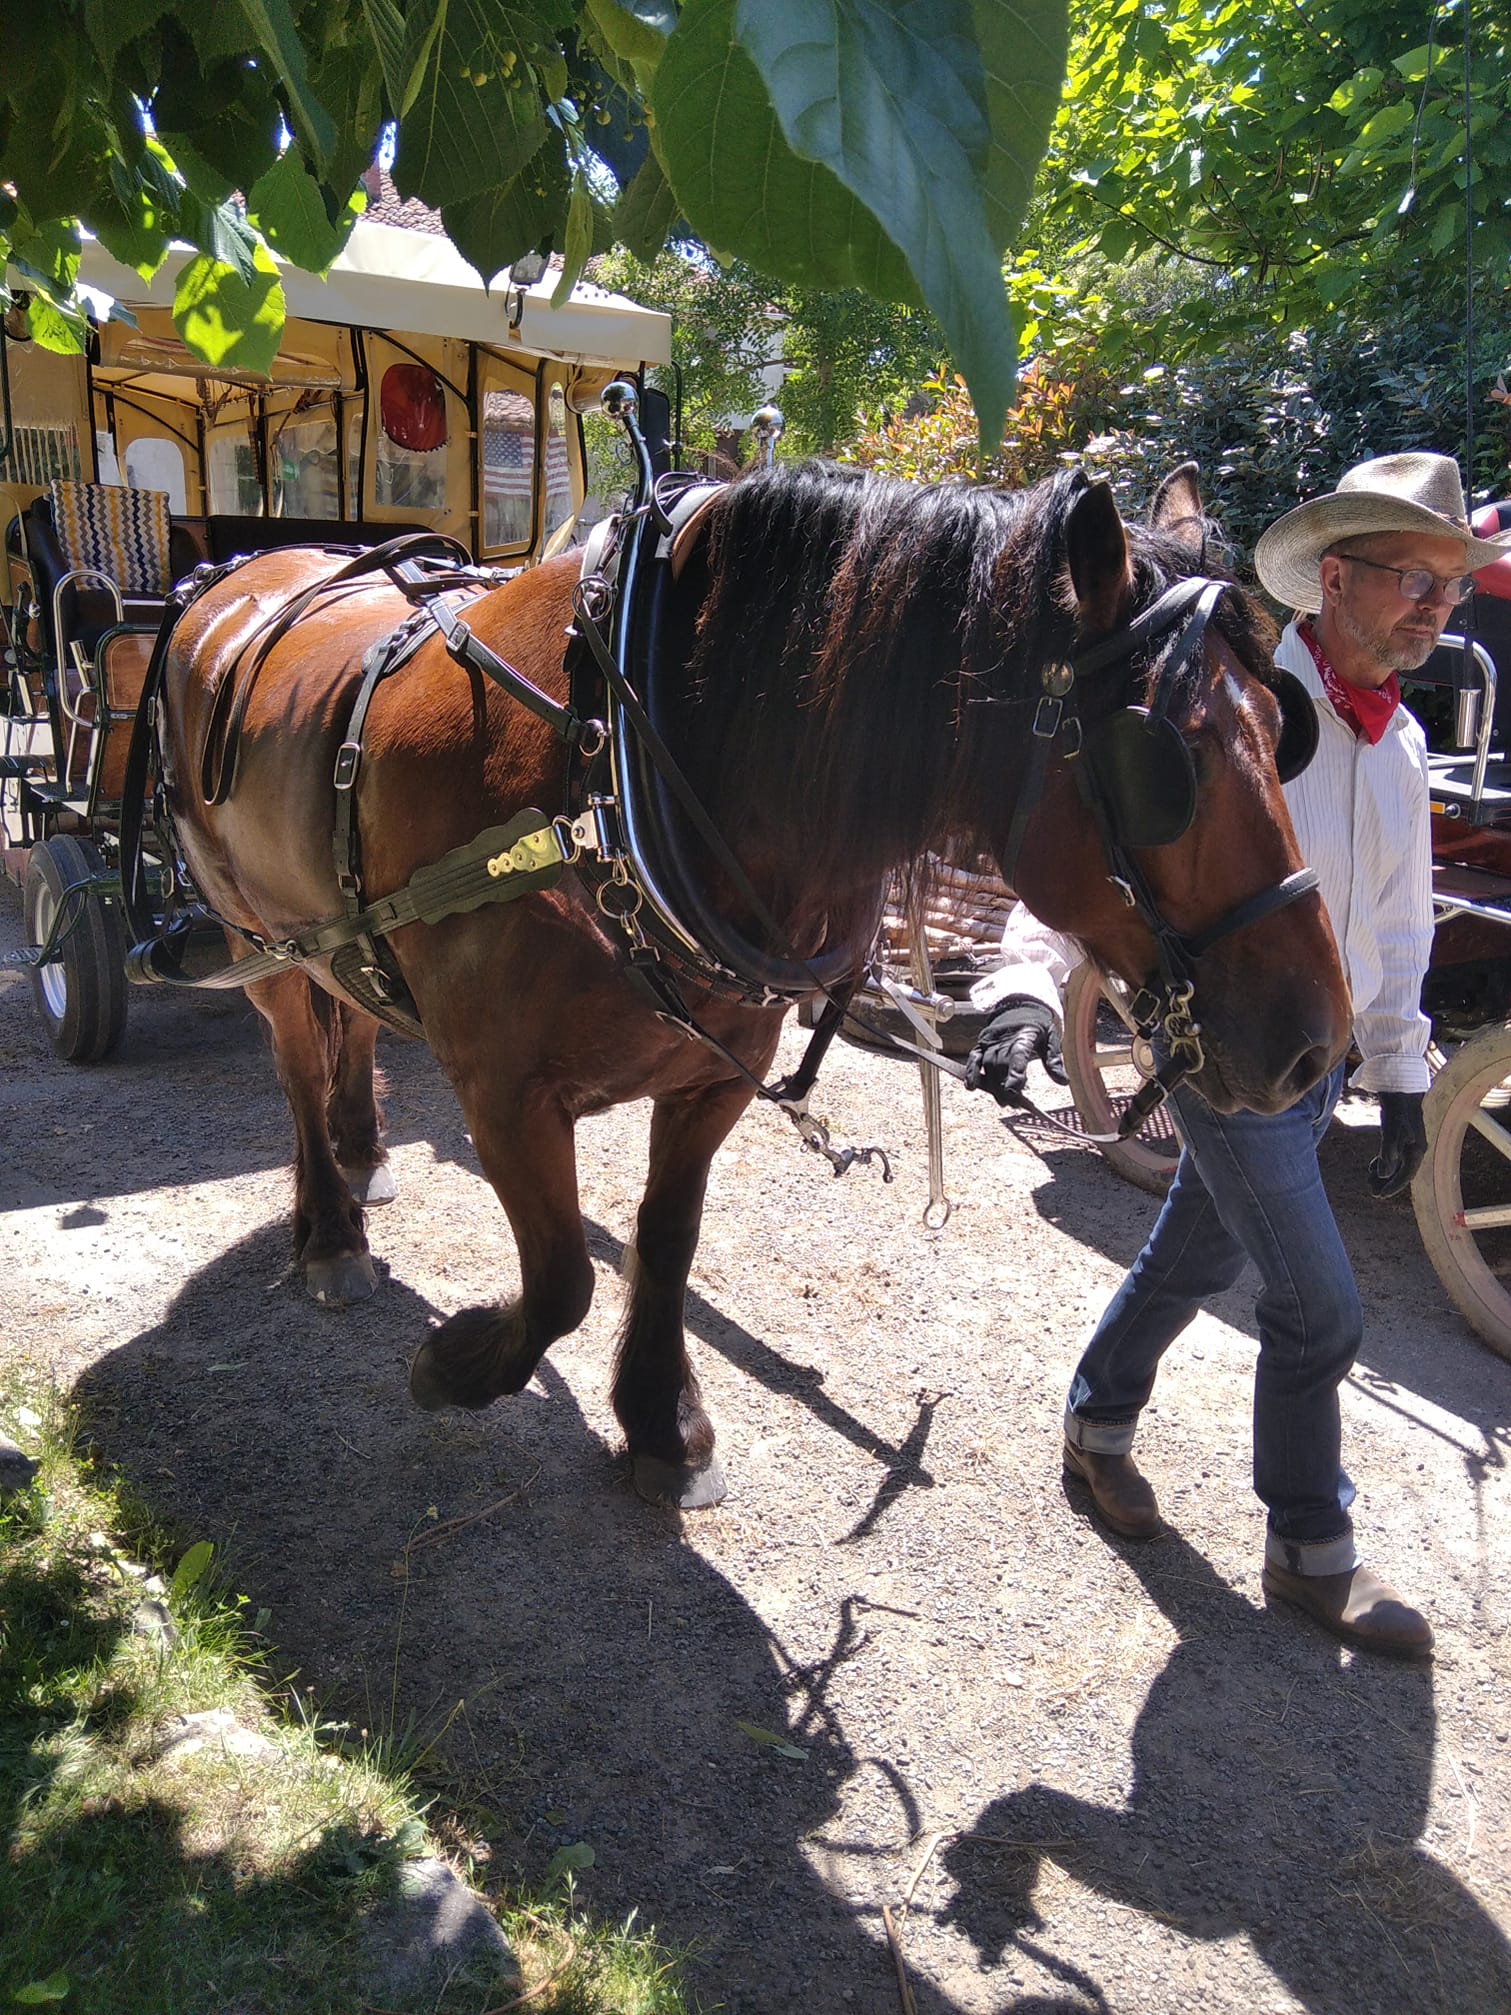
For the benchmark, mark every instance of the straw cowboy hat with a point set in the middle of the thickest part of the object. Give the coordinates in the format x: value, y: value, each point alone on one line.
x: 1393, y: 493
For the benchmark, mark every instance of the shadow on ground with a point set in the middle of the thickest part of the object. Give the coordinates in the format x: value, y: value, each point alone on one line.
x: 605, y: 1684
x: 1318, y: 1790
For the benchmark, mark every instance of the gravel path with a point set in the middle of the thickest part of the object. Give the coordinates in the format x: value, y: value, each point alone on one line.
x: 1105, y: 1777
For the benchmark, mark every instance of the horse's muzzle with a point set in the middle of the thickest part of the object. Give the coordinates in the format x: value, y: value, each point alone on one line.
x: 1229, y: 1087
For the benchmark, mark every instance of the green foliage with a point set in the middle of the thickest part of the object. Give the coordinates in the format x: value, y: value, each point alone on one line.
x: 849, y: 356
x: 1302, y: 159
x: 1269, y: 424
x: 1064, y: 398
x: 907, y: 183
x: 724, y: 332
x: 1273, y: 425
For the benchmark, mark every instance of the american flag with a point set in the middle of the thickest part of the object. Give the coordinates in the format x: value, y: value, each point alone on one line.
x: 508, y: 468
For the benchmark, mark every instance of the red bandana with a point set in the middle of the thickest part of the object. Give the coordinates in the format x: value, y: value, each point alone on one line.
x: 1365, y: 709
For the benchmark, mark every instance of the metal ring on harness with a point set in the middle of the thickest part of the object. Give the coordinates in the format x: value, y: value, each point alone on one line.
x: 632, y: 903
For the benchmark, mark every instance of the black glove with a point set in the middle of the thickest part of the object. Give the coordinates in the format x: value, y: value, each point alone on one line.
x: 1403, y: 1142
x: 1021, y: 1030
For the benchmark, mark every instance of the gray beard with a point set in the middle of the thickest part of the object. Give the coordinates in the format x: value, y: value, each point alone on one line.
x: 1390, y: 653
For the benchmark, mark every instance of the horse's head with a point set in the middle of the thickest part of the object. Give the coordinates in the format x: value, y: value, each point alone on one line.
x: 1158, y: 833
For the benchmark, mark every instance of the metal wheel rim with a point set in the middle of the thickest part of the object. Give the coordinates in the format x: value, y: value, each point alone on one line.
x: 51, y: 977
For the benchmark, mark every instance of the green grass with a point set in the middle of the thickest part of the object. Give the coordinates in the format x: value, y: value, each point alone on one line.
x: 135, y: 1882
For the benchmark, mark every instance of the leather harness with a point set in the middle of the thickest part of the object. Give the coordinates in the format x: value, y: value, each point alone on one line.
x: 620, y: 779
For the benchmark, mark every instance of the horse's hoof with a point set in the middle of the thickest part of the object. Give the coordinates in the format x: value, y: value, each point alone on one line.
x: 678, y: 1483
x: 371, y: 1186
x: 427, y: 1385
x: 336, y: 1283
x: 433, y: 1384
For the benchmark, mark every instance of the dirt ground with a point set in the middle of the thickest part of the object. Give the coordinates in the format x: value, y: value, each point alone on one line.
x: 1098, y: 1777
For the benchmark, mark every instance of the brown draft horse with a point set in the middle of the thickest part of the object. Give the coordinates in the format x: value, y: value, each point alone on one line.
x: 856, y: 666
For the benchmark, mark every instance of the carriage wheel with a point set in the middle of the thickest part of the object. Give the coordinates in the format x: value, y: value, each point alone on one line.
x: 1106, y: 1062
x: 81, y: 997
x: 1462, y: 1193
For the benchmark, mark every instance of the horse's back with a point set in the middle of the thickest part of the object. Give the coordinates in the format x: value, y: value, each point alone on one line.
x: 264, y: 722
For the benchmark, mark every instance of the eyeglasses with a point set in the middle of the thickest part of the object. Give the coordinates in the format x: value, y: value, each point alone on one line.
x: 1417, y: 583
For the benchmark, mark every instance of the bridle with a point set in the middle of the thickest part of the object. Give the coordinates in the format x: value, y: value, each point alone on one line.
x: 1135, y: 772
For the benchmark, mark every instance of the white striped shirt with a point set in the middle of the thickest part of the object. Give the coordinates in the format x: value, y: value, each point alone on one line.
x: 1363, y: 822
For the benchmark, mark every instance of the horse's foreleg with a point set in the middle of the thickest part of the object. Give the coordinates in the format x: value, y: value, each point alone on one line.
x: 528, y: 1154
x: 656, y: 1397
x: 329, y: 1242
x: 353, y: 1114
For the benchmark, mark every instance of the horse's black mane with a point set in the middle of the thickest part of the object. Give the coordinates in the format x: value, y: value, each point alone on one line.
x: 868, y: 654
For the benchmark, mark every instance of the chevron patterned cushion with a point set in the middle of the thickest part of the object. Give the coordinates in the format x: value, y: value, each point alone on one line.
x: 122, y: 532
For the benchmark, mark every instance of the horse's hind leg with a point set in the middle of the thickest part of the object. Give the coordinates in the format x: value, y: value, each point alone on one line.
x: 352, y: 1112
x: 329, y: 1242
x: 528, y: 1153
x: 656, y: 1396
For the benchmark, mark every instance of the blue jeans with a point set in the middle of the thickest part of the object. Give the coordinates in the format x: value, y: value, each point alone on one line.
x: 1247, y: 1188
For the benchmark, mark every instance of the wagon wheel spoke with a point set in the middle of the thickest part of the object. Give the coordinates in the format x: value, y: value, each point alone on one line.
x: 1492, y: 1131
x: 1114, y: 1056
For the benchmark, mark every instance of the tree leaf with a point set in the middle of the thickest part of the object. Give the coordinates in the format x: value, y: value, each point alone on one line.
x: 50, y: 328
x: 526, y: 215
x: 646, y: 212
x: 226, y: 319
x: 635, y: 32
x: 220, y: 231
x: 38, y: 1992
x: 273, y: 25
x: 1023, y: 51
x: 891, y: 106
x: 565, y: 1859
x: 191, y: 1568
x: 740, y: 185
x: 131, y: 223
x: 764, y: 1736
x: 579, y: 242
x: 634, y: 29
x: 462, y: 138
x: 289, y: 210
x: 111, y: 24
x: 385, y: 24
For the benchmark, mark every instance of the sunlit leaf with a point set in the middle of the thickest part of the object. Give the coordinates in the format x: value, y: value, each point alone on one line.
x: 191, y: 1568
x: 226, y: 319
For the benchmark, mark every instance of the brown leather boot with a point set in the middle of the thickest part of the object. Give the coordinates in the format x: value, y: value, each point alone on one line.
x: 1360, y: 1606
x: 1122, y: 1499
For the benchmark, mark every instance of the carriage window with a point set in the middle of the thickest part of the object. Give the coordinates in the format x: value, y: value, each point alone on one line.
x: 155, y: 464
x: 355, y: 411
x: 232, y: 468
x: 508, y: 469
x: 411, y: 462
x: 558, y: 466
x: 302, y: 467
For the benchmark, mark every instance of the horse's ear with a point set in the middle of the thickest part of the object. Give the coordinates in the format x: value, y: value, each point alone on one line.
x: 1096, y: 547
x: 1176, y: 510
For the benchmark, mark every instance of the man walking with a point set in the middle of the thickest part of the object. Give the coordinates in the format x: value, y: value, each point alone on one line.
x: 1375, y: 568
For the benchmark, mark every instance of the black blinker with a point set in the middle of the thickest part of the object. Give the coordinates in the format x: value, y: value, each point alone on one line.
x: 1143, y: 772
x: 1298, y: 726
